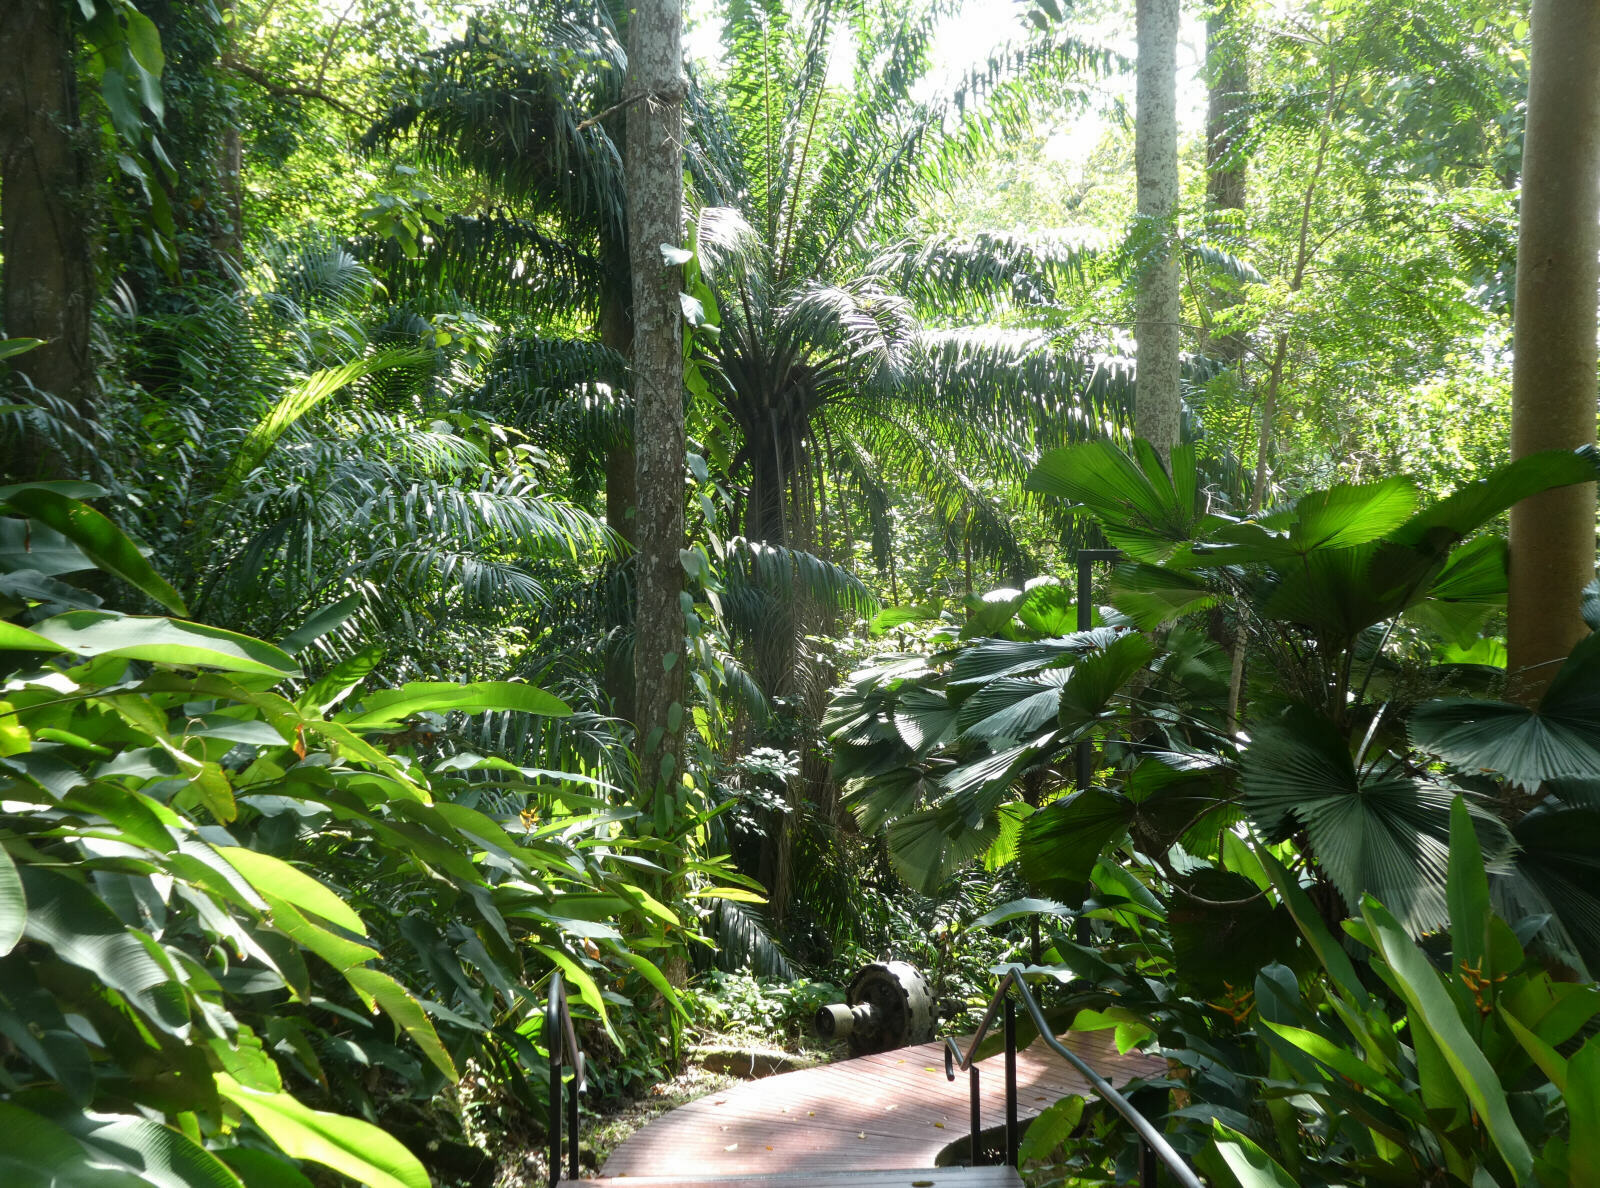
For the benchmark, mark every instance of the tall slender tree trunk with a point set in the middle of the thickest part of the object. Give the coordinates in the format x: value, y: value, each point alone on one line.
x: 1553, y: 378
x: 1158, y: 403
x: 654, y: 168
x: 1227, y: 102
x: 44, y: 198
x: 616, y: 332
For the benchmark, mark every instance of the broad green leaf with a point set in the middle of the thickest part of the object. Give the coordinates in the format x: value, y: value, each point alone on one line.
x: 391, y: 707
x: 1467, y: 891
x: 1052, y: 1128
x: 1430, y: 1006
x: 376, y: 987
x: 1062, y: 841
x: 10, y: 347
x: 1583, y: 1115
x: 1151, y: 595
x: 357, y: 1149
x: 38, y: 1152
x: 20, y: 639
x: 83, y: 931
x: 1250, y: 1166
x: 1350, y: 1066
x: 1142, y: 510
x: 1100, y: 676
x: 263, y: 1169
x: 161, y: 1155
x: 164, y: 641
x: 1550, y: 1062
x: 13, y: 904
x: 1326, y: 946
x: 338, y: 951
x: 101, y: 541
x: 1381, y: 835
x: 320, y: 622
x: 925, y: 850
x: 1021, y: 907
x: 581, y: 981
x: 275, y: 878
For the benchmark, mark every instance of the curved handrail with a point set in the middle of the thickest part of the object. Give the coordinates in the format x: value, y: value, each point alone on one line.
x: 1148, y: 1134
x: 562, y: 1040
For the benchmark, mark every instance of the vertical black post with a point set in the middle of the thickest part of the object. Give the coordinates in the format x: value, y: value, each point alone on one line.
x: 1011, y: 1082
x: 554, y: 1040
x: 1085, y: 756
x: 1033, y: 940
x: 572, y: 1117
x: 977, y: 1118
x: 1148, y: 1166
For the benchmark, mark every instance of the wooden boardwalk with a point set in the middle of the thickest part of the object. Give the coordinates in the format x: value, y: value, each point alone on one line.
x: 890, y: 1111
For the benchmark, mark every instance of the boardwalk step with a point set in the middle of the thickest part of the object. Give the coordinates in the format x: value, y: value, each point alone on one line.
x: 931, y: 1177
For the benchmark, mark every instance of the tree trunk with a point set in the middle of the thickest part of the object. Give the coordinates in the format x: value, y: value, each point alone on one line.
x: 1553, y: 389
x: 654, y: 168
x: 1158, y: 404
x: 1227, y: 99
x: 44, y: 199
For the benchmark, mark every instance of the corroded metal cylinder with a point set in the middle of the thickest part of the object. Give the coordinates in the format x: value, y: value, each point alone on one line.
x: 888, y: 1005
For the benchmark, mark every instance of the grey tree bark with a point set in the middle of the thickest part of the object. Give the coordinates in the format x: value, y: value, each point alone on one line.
x: 653, y: 160
x: 1553, y: 379
x: 1157, y: 403
x: 44, y: 198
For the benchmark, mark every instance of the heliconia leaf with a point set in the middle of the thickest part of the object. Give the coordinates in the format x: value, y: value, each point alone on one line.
x: 376, y: 987
x: 161, y: 1156
x: 275, y: 878
x: 1021, y: 907
x: 20, y: 639
x: 320, y: 623
x: 84, y: 932
x: 1431, y: 1007
x: 164, y: 641
x: 393, y: 706
x: 101, y: 541
x: 13, y: 904
x: 1583, y: 1115
x: 1250, y: 1166
x: 37, y: 1151
x: 350, y: 1146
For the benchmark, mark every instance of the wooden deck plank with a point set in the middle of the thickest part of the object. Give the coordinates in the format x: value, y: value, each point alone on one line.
x: 890, y: 1112
x: 940, y: 1177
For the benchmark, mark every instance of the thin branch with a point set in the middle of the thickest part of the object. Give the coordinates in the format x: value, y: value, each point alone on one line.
x: 284, y: 89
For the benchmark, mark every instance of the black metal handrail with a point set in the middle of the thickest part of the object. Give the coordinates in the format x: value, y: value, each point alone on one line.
x: 562, y: 1041
x: 1153, y: 1144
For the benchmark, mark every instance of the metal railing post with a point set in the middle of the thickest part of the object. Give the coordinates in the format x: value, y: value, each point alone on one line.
x: 555, y: 1109
x: 1011, y: 1082
x: 1149, y: 1166
x: 976, y: 1119
x: 572, y: 1117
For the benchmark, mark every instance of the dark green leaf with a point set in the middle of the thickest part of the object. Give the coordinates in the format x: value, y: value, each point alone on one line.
x: 101, y: 541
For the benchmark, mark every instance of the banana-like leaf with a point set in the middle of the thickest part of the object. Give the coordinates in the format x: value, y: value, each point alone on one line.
x: 102, y: 542
x: 13, y: 904
x: 173, y: 642
x: 1248, y: 1164
x: 1583, y: 1115
x: 1559, y: 740
x: 83, y: 931
x: 1431, y: 1008
x: 347, y: 1145
x: 159, y: 1155
x: 37, y: 1151
x: 276, y: 879
x: 391, y: 707
x: 376, y: 987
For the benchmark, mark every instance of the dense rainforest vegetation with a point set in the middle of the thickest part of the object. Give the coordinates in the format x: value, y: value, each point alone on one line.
x: 503, y: 488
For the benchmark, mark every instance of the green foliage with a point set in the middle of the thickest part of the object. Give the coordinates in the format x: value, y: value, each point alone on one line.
x: 222, y: 912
